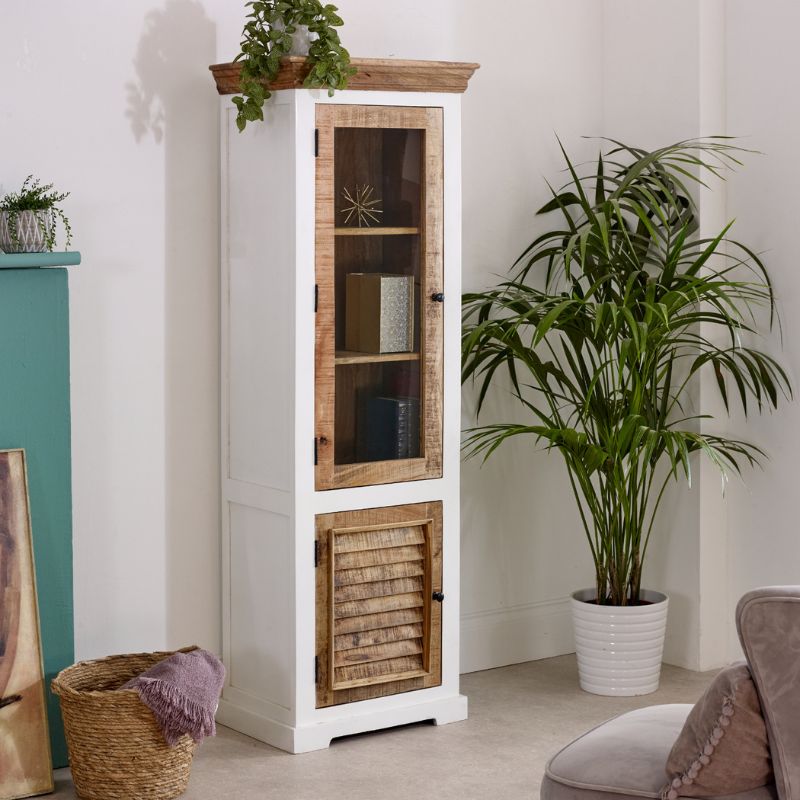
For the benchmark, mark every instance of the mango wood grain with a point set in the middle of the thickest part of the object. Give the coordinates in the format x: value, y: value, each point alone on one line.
x: 382, y: 651
x: 360, y: 539
x: 377, y: 605
x: 372, y: 74
x: 377, y: 231
x: 372, y: 558
x: 398, y: 633
x: 325, y: 332
x: 355, y: 357
x: 328, y: 473
x: 377, y: 634
x: 375, y: 589
x: 410, y: 683
x: 323, y: 613
x: 382, y: 572
x: 371, y: 622
x: 379, y: 672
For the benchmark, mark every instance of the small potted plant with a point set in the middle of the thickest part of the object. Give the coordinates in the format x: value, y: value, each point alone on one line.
x: 279, y: 28
x: 600, y: 332
x: 28, y: 218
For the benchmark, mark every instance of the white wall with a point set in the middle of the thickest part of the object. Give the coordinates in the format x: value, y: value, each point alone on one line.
x: 729, y: 75
x: 636, y: 112
x: 119, y: 108
x: 523, y: 547
x: 678, y: 96
x: 762, y: 60
x: 114, y: 109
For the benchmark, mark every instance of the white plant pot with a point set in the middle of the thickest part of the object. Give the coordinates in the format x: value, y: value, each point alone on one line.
x: 32, y: 230
x: 302, y: 39
x: 619, y: 648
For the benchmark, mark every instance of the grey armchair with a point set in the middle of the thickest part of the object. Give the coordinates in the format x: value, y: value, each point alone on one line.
x: 626, y: 755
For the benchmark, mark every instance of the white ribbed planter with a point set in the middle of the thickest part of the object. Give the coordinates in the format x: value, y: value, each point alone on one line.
x: 619, y: 648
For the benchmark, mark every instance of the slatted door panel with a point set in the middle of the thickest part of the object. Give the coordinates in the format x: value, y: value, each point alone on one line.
x: 378, y: 627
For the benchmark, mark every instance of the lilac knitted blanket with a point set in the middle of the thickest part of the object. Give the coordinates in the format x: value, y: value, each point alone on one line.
x: 183, y: 692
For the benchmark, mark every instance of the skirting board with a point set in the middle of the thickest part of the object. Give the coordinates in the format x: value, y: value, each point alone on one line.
x: 319, y: 735
x: 503, y: 636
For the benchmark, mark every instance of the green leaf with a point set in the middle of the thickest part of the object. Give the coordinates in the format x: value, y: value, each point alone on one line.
x: 601, y: 330
x: 267, y: 36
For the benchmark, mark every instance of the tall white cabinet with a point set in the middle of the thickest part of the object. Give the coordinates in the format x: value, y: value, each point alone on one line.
x: 341, y: 250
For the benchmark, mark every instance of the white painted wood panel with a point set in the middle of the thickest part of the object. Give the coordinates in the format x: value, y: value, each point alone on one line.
x: 256, y: 485
x: 261, y: 662
x: 260, y: 286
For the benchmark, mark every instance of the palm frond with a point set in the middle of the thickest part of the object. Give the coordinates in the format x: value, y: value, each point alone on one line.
x: 610, y: 316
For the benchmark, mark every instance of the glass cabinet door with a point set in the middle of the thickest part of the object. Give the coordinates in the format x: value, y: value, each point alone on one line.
x: 379, y: 295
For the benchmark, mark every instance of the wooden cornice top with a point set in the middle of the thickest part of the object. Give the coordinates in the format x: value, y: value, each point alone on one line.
x: 374, y: 74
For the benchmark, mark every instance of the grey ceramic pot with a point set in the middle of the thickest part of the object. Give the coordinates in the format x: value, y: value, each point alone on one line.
x: 32, y: 231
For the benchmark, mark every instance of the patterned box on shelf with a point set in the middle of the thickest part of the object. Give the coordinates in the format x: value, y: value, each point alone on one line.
x: 379, y: 313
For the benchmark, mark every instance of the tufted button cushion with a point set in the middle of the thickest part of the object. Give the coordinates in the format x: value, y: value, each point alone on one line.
x: 723, y: 746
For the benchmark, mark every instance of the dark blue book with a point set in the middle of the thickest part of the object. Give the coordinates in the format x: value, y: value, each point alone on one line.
x: 389, y: 429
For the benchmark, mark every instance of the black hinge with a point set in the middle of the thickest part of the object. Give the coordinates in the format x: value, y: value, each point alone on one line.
x: 316, y: 552
x: 316, y: 669
x: 316, y: 454
x: 316, y: 297
x: 316, y: 142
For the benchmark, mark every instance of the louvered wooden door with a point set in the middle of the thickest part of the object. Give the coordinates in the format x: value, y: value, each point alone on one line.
x: 379, y: 595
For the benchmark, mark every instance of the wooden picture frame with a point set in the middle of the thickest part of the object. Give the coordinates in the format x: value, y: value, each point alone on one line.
x: 25, y: 759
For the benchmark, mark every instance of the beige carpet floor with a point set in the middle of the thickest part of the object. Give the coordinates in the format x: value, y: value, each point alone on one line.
x: 519, y: 716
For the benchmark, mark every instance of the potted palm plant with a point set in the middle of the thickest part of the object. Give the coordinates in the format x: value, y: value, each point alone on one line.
x: 601, y: 330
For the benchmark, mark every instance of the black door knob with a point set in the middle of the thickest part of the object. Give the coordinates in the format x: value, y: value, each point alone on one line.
x: 438, y: 596
x: 438, y: 297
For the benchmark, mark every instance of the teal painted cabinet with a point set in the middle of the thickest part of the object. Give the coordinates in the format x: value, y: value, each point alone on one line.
x: 35, y: 415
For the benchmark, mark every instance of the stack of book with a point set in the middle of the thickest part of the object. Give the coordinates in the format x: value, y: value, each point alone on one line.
x: 389, y: 429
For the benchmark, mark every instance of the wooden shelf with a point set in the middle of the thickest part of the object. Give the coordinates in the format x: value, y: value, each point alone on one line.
x: 372, y: 74
x: 354, y: 357
x: 375, y: 231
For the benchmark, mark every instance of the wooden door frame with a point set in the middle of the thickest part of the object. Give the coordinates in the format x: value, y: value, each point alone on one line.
x: 427, y: 514
x: 328, y: 474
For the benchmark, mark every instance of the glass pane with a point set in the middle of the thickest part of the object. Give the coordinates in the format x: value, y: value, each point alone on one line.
x: 378, y: 191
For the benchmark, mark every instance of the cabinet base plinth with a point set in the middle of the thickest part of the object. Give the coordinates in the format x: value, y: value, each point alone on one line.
x: 318, y: 735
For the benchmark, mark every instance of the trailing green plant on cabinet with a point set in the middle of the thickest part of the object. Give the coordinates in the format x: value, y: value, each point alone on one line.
x: 340, y: 401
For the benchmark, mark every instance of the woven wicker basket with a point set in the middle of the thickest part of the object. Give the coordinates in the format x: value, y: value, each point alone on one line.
x: 116, y: 749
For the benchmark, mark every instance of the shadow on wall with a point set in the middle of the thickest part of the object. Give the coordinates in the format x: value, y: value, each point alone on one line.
x: 173, y: 99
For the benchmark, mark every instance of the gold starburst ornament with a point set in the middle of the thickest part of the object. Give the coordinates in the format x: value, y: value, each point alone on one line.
x: 362, y: 207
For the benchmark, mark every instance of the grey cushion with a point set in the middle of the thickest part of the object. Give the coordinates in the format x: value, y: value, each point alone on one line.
x: 625, y: 755
x: 723, y: 747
